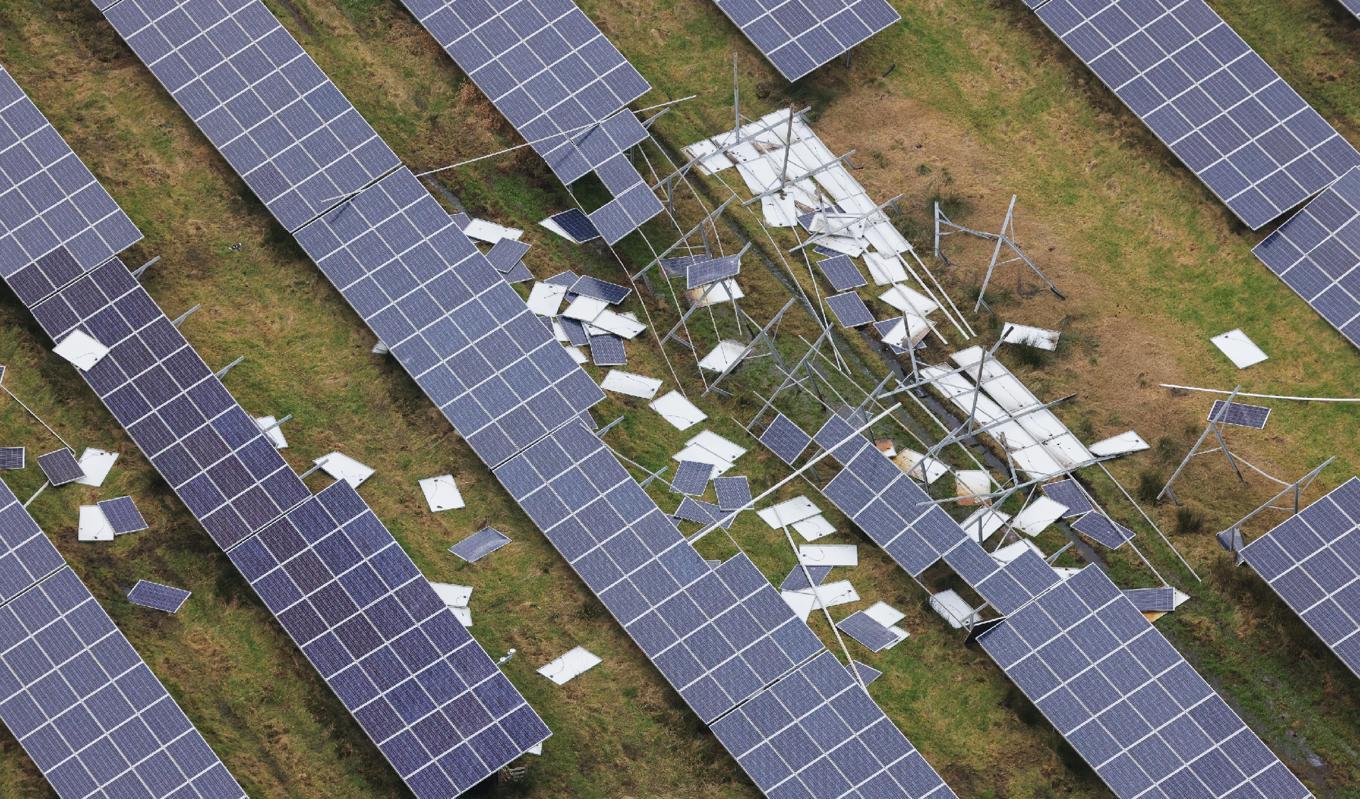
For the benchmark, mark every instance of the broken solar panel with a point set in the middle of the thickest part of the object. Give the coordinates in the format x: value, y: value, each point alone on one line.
x: 506, y: 254
x: 607, y: 350
x: 1312, y: 560
x: 1237, y: 413
x: 11, y: 457
x: 816, y: 733
x: 602, y: 290
x: 1127, y: 701
x: 863, y: 628
x: 26, y: 554
x: 423, y: 690
x: 797, y: 36
x: 717, y: 635
x: 797, y: 578
x: 210, y: 451
x: 56, y: 221
x: 1152, y: 600
x: 691, y: 477
x: 519, y: 273
x: 266, y: 106
x: 60, y: 467
x: 464, y: 336
x: 86, y: 708
x: 480, y: 544
x: 629, y: 209
x: 711, y: 270
x: 841, y: 273
x: 1103, y: 530
x: 1069, y: 492
x: 733, y: 492
x: 157, y: 596
x: 576, y: 224
x: 885, y: 327
x: 699, y: 511
x: 850, y: 310
x: 122, y: 515
x: 1316, y: 252
x: 785, y: 439
x: 1209, y: 97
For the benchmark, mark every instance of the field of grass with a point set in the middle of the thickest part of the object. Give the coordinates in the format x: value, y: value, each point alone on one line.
x: 966, y: 101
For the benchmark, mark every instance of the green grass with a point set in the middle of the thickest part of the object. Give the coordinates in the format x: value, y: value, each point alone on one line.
x: 981, y: 101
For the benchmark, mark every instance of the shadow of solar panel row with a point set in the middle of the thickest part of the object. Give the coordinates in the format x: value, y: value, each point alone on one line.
x: 797, y: 36
x: 1103, y: 530
x: 1316, y: 252
x: 1257, y: 145
x: 264, y: 104
x: 1312, y: 560
x: 56, y: 221
x: 1127, y: 701
x: 418, y: 684
x: 816, y: 733
x: 178, y: 413
x: 466, y: 338
x: 1237, y: 413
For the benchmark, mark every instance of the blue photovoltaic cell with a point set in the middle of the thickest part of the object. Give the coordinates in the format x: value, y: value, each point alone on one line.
x: 602, y: 290
x: 1069, y: 492
x: 867, y: 673
x: 1103, y: 530
x: 172, y: 405
x: 1127, y: 701
x: 480, y: 544
x: 577, y: 225
x: 11, y: 457
x: 816, y: 733
x: 797, y: 36
x: 1152, y: 600
x: 122, y: 515
x: 1352, y: 6
x: 56, y: 221
x: 1316, y: 252
x: 1208, y: 96
x: 26, y: 555
x: 266, y: 106
x: 862, y: 627
x: 158, y: 596
x: 464, y: 336
x: 711, y: 270
x: 60, y: 467
x: 850, y: 310
x: 733, y: 492
x: 506, y: 254
x: 841, y: 273
x: 1237, y: 413
x: 785, y: 439
x: 86, y: 708
x: 699, y: 512
x: 691, y: 477
x: 797, y: 579
x: 606, y: 349
x: 519, y: 273
x: 1312, y: 561
x: 418, y: 684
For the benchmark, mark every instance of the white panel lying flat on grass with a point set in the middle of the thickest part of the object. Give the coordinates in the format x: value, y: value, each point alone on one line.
x: 96, y: 464
x: 1242, y: 351
x: 829, y: 555
x: 634, y: 385
x: 441, y: 493
x: 490, y: 232
x: 342, y: 467
x: 1037, y: 337
x: 572, y: 664
x: 1038, y: 515
x: 81, y: 349
x: 678, y: 411
x: 814, y: 527
x: 788, y: 512
x: 840, y: 592
x: 545, y: 299
x: 725, y: 355
x: 1122, y: 444
x: 722, y: 447
x: 94, y: 525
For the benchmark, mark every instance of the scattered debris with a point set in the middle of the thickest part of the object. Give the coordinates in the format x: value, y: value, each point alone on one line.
x: 1122, y: 444
x: 441, y: 493
x: 634, y: 385
x: 1241, y: 350
x: 342, y: 467
x: 574, y: 663
x: 480, y: 544
x: 96, y: 465
x: 678, y: 411
x: 1037, y: 337
x: 82, y: 350
x: 156, y: 596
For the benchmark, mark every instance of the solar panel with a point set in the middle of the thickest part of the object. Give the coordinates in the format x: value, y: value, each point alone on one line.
x: 785, y: 439
x: 1312, y: 560
x: 576, y: 224
x: 691, y: 477
x: 60, y: 467
x: 480, y: 544
x: 418, y: 684
x: 862, y: 627
x: 178, y: 413
x: 816, y: 733
x: 797, y: 579
x: 11, y: 457
x: 841, y: 273
x: 157, y: 596
x: 26, y: 555
x: 797, y: 36
x: 519, y: 273
x: 1237, y: 413
x: 576, y: 332
x: 1152, y: 600
x: 464, y: 336
x: 711, y: 270
x: 867, y: 673
x: 1257, y: 145
x: 602, y: 290
x: 1352, y: 6
x: 86, y: 708
x: 1127, y: 701
x: 1316, y: 252
x: 1069, y: 492
x: 629, y: 209
x: 1103, y: 530
x: 506, y: 254
x: 266, y: 106
x: 122, y: 515
x: 56, y: 221
x: 733, y: 492
x: 698, y: 511
x: 607, y: 350
x: 850, y: 310
x: 884, y: 327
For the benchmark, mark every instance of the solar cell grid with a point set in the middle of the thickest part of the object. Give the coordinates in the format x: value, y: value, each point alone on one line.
x: 465, y: 337
x: 785, y: 439
x: 576, y: 224
x: 797, y: 579
x: 1209, y: 97
x: 797, y: 36
x: 177, y: 412
x: 56, y: 221
x: 11, y: 457
x: 26, y: 555
x: 1103, y: 530
x: 156, y: 596
x: 1127, y: 701
x: 850, y: 310
x: 607, y: 350
x: 691, y: 477
x: 122, y: 515
x: 1312, y: 560
x: 698, y: 511
x: 506, y: 254
x: 60, y: 467
x: 627, y: 212
x: 480, y: 544
x: 841, y: 273
x: 862, y: 627
x: 1236, y: 413
x: 733, y: 492
x: 1152, y: 600
x: 88, y: 711
x: 1316, y: 252
x: 602, y: 290
x: 1069, y: 492
x: 711, y: 270
x: 263, y: 103
x: 418, y: 684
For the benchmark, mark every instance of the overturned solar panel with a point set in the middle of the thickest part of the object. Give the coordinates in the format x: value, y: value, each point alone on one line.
x: 480, y: 544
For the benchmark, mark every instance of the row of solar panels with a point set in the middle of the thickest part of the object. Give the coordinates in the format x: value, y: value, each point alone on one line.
x: 339, y: 584
x: 1115, y: 689
x: 721, y: 636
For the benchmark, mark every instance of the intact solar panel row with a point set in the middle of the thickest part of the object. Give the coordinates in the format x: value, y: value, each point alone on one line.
x: 464, y: 336
x: 816, y: 733
x: 797, y: 36
x: 265, y: 105
x: 26, y: 555
x: 1312, y: 560
x: 718, y: 635
x: 1208, y: 96
x: 1237, y: 413
x: 634, y: 203
x: 1127, y: 701
x: 1316, y: 252
x: 49, y: 202
x: 422, y: 689
x: 172, y: 405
